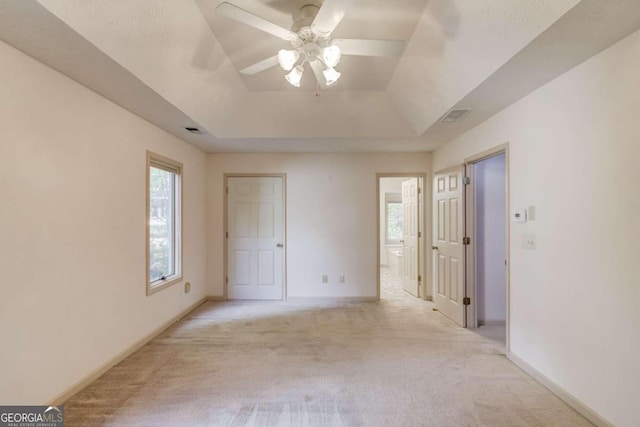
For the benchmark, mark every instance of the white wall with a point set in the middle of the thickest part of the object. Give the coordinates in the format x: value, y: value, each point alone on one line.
x: 575, y: 155
x: 331, y: 216
x: 387, y: 185
x: 72, y: 227
x: 490, y: 197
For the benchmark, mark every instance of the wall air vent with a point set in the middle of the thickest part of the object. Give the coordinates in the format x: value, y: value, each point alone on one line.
x: 193, y: 130
x: 455, y: 114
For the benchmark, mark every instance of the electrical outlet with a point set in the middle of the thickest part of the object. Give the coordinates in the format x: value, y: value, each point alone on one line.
x: 529, y: 241
x: 325, y: 278
x: 187, y: 288
x: 342, y: 279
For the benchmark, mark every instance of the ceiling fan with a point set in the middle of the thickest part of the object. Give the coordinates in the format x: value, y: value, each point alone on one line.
x: 311, y: 42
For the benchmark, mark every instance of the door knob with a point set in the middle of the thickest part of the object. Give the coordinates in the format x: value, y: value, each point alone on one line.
x: 279, y: 245
x: 435, y: 248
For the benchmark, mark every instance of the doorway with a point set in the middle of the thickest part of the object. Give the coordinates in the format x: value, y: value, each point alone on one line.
x: 400, y: 241
x: 255, y: 251
x: 470, y: 243
x: 487, y: 220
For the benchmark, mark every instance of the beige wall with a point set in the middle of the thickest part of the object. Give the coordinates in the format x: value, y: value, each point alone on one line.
x: 72, y: 227
x: 575, y: 155
x: 331, y: 216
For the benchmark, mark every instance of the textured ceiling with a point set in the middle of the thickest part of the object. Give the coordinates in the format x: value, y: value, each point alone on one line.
x: 181, y: 60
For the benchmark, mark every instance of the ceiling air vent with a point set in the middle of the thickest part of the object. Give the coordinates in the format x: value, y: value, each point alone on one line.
x: 193, y: 130
x: 455, y: 115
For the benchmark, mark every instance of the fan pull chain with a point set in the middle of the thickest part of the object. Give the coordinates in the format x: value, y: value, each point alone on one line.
x: 317, y: 89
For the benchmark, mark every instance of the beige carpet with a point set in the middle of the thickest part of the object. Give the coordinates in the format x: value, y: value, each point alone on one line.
x: 390, y: 363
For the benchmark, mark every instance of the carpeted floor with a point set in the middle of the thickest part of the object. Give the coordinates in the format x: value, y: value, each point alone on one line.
x: 390, y: 363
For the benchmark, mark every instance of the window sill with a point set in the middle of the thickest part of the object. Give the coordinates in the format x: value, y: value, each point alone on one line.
x: 159, y: 285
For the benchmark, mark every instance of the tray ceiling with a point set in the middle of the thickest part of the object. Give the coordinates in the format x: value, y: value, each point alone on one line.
x: 181, y: 59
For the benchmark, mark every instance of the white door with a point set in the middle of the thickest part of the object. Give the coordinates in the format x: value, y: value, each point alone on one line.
x: 448, y: 246
x: 410, y: 236
x: 255, y: 239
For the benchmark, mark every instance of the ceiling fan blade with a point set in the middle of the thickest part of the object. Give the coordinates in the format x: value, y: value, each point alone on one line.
x: 329, y: 16
x: 231, y: 11
x: 260, y: 66
x: 370, y: 47
x: 316, y: 66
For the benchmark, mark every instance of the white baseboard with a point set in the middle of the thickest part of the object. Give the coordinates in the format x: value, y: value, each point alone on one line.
x: 492, y: 322
x: 564, y: 395
x: 300, y: 299
x: 61, y: 398
x: 332, y: 299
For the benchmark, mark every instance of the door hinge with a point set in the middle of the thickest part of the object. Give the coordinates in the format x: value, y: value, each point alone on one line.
x: 227, y: 190
x: 419, y: 190
x: 466, y: 301
x: 466, y: 240
x: 419, y: 278
x: 419, y: 233
x: 466, y: 180
x: 226, y: 279
x: 227, y: 235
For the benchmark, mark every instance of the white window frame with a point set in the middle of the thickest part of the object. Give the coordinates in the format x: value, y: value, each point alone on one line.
x: 390, y: 198
x: 169, y: 165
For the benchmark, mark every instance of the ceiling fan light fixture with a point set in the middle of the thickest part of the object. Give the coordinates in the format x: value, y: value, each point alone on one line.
x: 331, y: 75
x: 295, y: 76
x: 287, y: 58
x: 331, y: 55
x: 310, y: 40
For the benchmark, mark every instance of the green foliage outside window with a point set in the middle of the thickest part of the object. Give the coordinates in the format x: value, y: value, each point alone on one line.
x: 161, y: 224
x: 394, y: 221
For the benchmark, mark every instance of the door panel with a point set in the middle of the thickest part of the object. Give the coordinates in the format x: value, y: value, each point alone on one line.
x: 255, y: 222
x: 265, y: 220
x: 441, y: 271
x: 410, y: 236
x: 266, y: 261
x: 242, y: 268
x: 454, y: 267
x: 448, y: 245
x: 242, y: 218
x: 454, y: 212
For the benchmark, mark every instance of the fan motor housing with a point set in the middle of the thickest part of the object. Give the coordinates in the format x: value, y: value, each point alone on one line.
x: 308, y: 13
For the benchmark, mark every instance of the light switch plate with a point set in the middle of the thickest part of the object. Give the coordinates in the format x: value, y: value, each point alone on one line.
x: 531, y: 213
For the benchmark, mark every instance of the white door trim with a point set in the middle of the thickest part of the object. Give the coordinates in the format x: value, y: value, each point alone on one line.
x: 424, y: 264
x: 470, y: 273
x: 225, y: 272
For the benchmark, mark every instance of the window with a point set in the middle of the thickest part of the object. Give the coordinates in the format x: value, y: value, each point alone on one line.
x: 394, y: 218
x: 164, y: 224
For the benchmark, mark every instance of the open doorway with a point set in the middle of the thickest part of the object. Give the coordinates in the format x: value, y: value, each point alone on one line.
x: 471, y: 244
x: 400, y: 242
x: 487, y: 223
